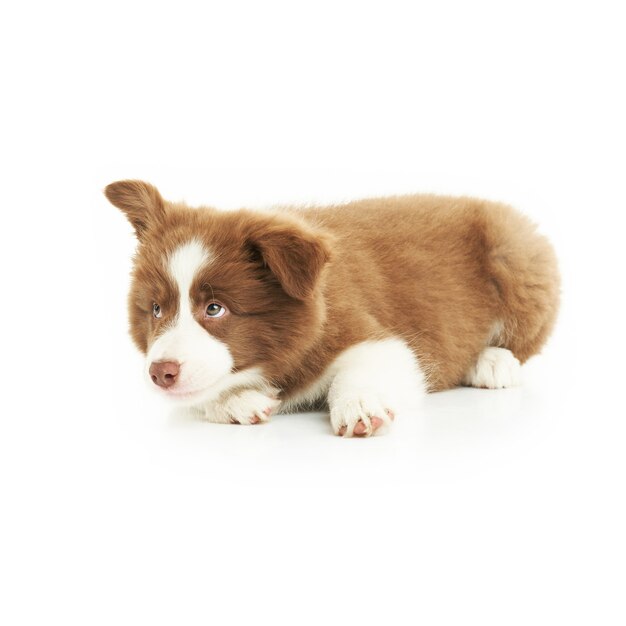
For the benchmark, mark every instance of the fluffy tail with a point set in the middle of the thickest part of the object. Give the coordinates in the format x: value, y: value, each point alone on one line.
x: 524, y: 269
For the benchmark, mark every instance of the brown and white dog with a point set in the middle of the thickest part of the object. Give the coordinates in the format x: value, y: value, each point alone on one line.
x: 365, y: 306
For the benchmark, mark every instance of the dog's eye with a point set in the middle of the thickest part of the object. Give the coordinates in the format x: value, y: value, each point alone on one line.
x: 156, y: 311
x: 215, y: 310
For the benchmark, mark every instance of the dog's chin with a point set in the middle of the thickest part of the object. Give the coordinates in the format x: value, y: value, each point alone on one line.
x: 183, y: 396
x: 188, y: 396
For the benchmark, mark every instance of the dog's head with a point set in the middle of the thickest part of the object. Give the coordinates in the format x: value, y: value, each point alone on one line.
x: 219, y: 299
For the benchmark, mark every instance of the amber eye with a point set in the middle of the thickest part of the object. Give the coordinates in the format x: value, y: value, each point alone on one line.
x: 215, y: 310
x: 156, y: 311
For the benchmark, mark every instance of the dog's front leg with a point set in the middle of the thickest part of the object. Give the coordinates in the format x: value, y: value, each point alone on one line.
x: 243, y: 406
x: 373, y: 380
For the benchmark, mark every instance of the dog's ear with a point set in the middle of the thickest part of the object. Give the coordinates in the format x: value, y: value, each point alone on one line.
x: 294, y: 253
x: 140, y: 202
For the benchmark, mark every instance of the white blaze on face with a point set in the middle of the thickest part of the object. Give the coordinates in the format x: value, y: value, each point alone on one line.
x: 204, y: 360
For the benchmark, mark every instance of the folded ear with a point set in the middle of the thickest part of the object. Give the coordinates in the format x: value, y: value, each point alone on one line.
x: 141, y: 202
x: 294, y: 253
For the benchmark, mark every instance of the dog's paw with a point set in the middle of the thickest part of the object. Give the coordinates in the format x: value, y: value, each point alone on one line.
x: 496, y: 368
x: 248, y: 406
x: 360, y: 416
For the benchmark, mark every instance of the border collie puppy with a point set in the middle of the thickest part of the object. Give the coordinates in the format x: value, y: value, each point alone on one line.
x: 364, y: 306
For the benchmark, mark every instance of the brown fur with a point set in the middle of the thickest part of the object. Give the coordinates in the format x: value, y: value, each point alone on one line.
x: 305, y: 284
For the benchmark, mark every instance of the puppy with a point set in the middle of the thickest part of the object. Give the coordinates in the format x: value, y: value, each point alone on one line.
x: 364, y: 306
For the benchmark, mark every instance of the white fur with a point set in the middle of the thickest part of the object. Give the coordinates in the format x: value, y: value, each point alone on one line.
x: 206, y: 362
x: 366, y: 380
x: 184, y: 263
x: 496, y: 368
x: 243, y: 406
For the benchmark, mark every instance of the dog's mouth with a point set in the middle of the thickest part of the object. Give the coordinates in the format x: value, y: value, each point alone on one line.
x: 183, y: 392
x: 189, y: 391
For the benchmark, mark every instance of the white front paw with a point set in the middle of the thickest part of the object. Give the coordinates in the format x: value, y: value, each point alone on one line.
x: 248, y: 406
x: 359, y: 415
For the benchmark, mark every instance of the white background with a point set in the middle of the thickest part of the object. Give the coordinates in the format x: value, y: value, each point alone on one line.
x: 502, y: 507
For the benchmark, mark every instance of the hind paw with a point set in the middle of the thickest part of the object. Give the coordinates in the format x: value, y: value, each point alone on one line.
x: 496, y: 368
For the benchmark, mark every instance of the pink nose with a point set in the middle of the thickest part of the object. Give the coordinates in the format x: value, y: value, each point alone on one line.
x: 164, y: 373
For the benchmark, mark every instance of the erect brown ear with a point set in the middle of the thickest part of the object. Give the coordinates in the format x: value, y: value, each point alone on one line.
x: 294, y: 253
x: 141, y: 202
